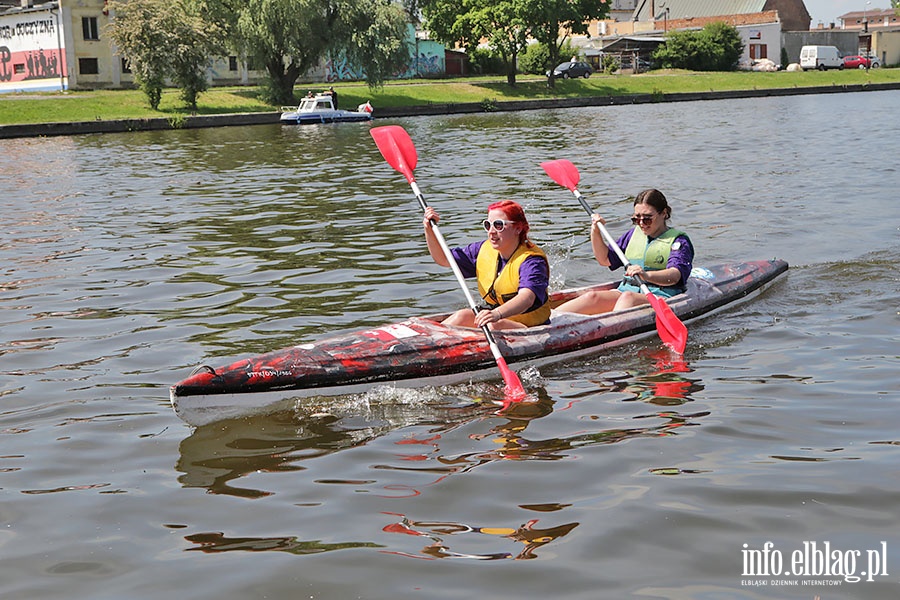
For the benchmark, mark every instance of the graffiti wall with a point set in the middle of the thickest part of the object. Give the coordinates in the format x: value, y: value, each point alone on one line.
x: 32, y: 55
x: 426, y: 59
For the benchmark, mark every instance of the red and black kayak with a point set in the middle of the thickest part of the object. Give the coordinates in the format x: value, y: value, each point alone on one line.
x: 420, y: 351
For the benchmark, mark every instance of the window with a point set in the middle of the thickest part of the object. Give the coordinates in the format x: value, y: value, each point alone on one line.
x: 19, y: 68
x: 758, y: 51
x: 88, y: 66
x: 89, y: 28
x: 232, y: 63
x: 126, y: 67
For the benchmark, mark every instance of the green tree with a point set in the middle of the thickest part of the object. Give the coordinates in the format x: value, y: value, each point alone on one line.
x: 466, y: 22
x: 289, y: 37
x: 165, y: 39
x: 507, y: 25
x: 550, y: 17
x: 717, y: 47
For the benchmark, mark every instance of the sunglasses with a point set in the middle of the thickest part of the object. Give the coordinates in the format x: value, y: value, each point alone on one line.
x: 498, y: 224
x: 638, y: 219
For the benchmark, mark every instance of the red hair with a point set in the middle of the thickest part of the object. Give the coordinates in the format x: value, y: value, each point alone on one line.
x: 516, y: 214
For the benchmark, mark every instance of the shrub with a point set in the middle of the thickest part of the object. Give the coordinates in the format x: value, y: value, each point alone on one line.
x: 717, y: 47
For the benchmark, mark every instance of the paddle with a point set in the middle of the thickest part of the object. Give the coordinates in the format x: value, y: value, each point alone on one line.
x: 398, y: 150
x: 671, y: 330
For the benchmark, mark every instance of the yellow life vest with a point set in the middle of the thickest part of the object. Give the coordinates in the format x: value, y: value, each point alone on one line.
x: 499, y: 288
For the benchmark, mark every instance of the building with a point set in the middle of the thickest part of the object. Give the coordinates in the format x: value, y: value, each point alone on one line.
x: 870, y: 19
x: 760, y: 23
x: 792, y: 14
x: 60, y: 44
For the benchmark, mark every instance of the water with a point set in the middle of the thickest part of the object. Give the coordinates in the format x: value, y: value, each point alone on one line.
x: 129, y: 259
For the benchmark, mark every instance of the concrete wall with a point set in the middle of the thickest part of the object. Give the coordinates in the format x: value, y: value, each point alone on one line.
x: 886, y: 45
x: 847, y: 42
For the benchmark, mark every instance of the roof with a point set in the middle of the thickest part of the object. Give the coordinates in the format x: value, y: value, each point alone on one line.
x: 685, y: 9
x: 634, y: 42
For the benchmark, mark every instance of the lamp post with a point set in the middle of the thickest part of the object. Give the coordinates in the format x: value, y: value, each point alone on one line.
x: 866, y: 17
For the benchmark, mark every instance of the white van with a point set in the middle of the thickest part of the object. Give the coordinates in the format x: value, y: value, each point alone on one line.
x: 820, y: 57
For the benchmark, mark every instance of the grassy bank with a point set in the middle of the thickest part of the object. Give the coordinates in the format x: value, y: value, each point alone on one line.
x: 54, y: 107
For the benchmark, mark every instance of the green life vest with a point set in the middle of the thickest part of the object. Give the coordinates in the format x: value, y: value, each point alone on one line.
x: 498, y: 288
x: 653, y: 255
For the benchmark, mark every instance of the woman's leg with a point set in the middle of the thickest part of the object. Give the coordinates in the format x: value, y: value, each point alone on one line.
x: 629, y: 299
x: 591, y: 303
x: 464, y: 317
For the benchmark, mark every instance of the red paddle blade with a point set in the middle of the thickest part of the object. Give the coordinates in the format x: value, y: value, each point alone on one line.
x: 515, y: 392
x: 562, y: 172
x: 672, y: 331
x: 397, y: 149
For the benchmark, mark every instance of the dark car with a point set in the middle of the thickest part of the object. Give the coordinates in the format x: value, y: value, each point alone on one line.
x: 568, y: 70
x: 860, y: 62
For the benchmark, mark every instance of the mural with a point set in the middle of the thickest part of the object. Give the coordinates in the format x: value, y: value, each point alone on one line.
x: 426, y: 59
x: 31, y: 54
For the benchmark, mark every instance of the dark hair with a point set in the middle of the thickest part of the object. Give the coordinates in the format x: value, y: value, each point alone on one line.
x: 656, y: 199
x: 516, y: 214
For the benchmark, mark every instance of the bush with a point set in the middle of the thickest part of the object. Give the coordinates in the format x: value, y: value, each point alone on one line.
x: 610, y: 63
x: 536, y: 58
x: 717, y: 47
x: 483, y: 62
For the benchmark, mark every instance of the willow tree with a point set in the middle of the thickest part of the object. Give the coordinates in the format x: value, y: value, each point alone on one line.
x: 289, y: 37
x: 165, y: 40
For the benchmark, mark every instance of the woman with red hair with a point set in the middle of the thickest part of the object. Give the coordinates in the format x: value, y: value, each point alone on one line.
x: 513, y: 273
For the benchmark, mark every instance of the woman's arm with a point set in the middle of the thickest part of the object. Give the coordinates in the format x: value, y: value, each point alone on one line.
x: 434, y: 247
x: 598, y: 245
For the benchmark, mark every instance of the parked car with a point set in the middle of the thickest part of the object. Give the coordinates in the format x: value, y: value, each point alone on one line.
x: 643, y: 64
x: 856, y: 61
x: 567, y: 70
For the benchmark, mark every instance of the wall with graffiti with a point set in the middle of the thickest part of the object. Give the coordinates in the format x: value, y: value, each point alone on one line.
x: 426, y: 59
x: 32, y: 54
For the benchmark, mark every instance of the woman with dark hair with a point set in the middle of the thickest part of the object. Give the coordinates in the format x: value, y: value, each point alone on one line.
x: 659, y: 255
x: 513, y: 273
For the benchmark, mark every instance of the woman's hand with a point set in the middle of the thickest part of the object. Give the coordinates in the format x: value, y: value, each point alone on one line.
x: 635, y: 270
x: 486, y: 317
x: 430, y: 215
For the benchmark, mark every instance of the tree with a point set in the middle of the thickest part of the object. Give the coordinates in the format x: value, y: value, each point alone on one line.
x: 288, y: 37
x: 550, y: 17
x: 165, y: 39
x: 717, y: 47
x: 508, y: 24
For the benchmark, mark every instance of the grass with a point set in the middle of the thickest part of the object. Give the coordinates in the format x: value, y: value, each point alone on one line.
x: 131, y: 104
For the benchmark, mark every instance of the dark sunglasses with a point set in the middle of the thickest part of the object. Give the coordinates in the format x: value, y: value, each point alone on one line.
x: 497, y: 224
x: 638, y: 219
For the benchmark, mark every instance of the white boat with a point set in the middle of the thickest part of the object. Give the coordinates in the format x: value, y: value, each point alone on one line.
x: 320, y: 109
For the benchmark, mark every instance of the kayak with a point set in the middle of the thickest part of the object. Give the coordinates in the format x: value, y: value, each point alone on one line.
x: 421, y: 351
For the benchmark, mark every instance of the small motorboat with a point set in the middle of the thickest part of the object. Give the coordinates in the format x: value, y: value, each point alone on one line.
x: 421, y: 351
x: 320, y: 109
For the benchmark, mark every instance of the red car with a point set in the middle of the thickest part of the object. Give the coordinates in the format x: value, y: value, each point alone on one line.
x: 859, y: 62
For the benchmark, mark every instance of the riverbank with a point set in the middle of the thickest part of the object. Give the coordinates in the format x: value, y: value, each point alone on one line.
x: 123, y: 110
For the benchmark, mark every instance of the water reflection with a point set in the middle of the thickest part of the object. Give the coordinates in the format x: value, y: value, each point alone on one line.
x: 215, y: 542
x: 438, y: 532
x: 214, y: 457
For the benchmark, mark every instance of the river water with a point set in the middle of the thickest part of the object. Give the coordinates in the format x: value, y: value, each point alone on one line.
x: 763, y: 466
